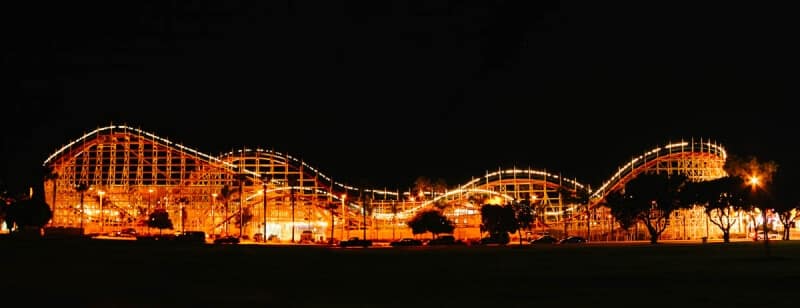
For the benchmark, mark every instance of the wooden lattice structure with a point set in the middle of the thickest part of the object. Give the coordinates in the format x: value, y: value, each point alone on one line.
x: 128, y: 173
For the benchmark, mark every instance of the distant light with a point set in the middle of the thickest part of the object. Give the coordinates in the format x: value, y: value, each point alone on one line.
x: 753, y: 180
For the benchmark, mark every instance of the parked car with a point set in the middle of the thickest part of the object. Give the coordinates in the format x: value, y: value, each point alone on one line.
x: 127, y: 232
x: 496, y: 239
x: 445, y: 240
x: 230, y: 239
x: 406, y: 242
x: 192, y: 236
x: 355, y: 241
x: 573, y: 240
x: 545, y: 239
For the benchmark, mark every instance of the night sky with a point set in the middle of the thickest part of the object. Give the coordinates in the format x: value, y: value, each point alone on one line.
x: 382, y: 92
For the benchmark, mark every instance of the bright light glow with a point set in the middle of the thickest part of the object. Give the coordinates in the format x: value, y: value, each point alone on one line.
x: 754, y: 181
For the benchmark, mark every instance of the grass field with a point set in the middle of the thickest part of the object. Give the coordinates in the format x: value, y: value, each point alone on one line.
x: 96, y: 273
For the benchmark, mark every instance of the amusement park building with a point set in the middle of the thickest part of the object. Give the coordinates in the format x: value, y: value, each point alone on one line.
x: 127, y: 173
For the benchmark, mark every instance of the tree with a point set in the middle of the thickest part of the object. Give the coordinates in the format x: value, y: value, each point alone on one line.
x: 245, y: 217
x: 49, y: 174
x: 649, y: 198
x: 28, y: 214
x: 622, y: 208
x: 366, y: 209
x: 439, y: 186
x: 722, y: 199
x: 759, y: 177
x: 573, y: 196
x: 159, y: 219
x: 432, y: 221
x: 523, y: 214
x: 394, y: 210
x: 787, y: 200
x: 82, y: 188
x: 183, y: 202
x: 333, y: 208
x: 225, y: 194
x: 421, y: 185
x: 242, y: 180
x: 498, y: 220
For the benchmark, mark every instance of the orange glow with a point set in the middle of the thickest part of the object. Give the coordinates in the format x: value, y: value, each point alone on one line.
x: 753, y: 180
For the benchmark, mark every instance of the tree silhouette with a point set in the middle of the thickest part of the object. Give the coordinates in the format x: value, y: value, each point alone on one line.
x: 241, y: 180
x: 82, y: 188
x: 28, y: 214
x: 49, y: 174
x: 649, y: 198
x: 787, y: 201
x: 432, y: 221
x: 159, y: 219
x: 523, y: 214
x: 760, y: 195
x: 498, y: 220
x: 722, y: 199
x: 333, y: 208
x: 225, y: 194
x: 421, y: 185
x: 366, y: 209
x: 572, y: 196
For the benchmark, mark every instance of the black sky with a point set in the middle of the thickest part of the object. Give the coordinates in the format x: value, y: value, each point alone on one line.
x: 385, y: 91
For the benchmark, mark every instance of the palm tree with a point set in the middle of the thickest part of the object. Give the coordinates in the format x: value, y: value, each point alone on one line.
x: 394, y: 217
x: 241, y: 180
x: 183, y: 202
x: 332, y: 207
x: 51, y: 175
x: 366, y: 206
x: 82, y: 188
x: 577, y: 196
x: 421, y: 184
x: 225, y: 195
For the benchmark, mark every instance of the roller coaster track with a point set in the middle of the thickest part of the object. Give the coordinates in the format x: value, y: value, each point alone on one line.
x: 699, y: 160
x: 134, y: 163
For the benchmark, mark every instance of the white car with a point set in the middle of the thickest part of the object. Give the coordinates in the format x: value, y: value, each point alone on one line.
x: 772, y: 236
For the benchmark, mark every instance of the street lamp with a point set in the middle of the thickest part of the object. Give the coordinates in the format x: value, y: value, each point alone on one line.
x: 291, y: 193
x: 344, y: 218
x: 753, y: 181
x: 264, y: 211
x: 102, y: 219
x: 213, y: 219
x: 149, y: 198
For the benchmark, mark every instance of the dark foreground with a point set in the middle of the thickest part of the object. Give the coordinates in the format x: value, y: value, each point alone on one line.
x: 96, y: 273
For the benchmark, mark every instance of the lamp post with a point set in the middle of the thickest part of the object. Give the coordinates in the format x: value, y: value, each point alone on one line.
x: 149, y: 198
x: 291, y: 195
x: 344, y: 218
x: 102, y: 219
x: 264, y: 212
x: 754, y: 182
x: 213, y: 218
